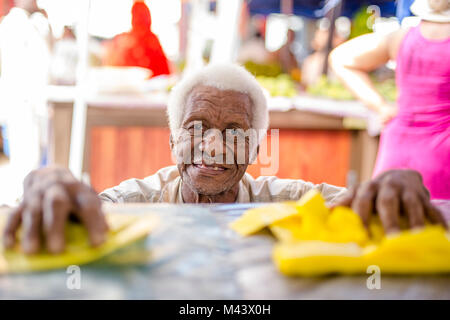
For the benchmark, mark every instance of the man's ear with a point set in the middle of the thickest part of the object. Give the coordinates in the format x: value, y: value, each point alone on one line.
x: 171, y: 142
x: 254, y: 156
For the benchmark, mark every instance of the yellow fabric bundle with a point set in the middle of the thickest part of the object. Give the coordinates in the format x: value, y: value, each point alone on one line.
x: 123, y: 230
x: 313, y: 240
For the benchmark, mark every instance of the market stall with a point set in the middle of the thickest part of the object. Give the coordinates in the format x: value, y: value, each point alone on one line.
x: 127, y: 136
x: 316, y: 119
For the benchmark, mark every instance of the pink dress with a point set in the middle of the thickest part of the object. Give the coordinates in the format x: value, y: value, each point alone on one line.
x: 419, y: 136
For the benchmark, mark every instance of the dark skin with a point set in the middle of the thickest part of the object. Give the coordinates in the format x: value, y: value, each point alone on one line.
x: 204, y: 107
x: 53, y: 194
x: 50, y: 196
x: 392, y: 194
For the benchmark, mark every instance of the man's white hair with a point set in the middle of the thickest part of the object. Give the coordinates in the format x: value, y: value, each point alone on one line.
x: 223, y: 76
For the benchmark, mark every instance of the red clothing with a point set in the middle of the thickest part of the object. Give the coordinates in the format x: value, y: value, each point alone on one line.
x: 140, y: 47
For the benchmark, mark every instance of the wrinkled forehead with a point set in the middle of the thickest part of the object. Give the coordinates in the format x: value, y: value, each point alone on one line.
x: 212, y: 99
x: 209, y: 92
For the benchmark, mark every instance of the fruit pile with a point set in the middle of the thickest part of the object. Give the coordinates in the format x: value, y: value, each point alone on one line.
x: 336, y: 90
x: 360, y: 22
x: 330, y: 89
x: 282, y: 85
x: 267, y: 69
x: 271, y: 77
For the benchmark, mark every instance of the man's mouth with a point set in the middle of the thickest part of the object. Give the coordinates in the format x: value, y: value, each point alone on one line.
x: 212, y: 169
x: 204, y: 166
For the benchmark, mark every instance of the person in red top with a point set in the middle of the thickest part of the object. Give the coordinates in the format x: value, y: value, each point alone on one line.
x: 139, y: 47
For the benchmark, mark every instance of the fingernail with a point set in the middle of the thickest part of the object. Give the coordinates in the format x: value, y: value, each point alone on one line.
x: 30, y: 247
x: 55, y: 245
x: 97, y: 238
x: 392, y: 232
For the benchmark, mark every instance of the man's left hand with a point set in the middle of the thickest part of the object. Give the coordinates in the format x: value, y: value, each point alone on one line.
x: 391, y: 194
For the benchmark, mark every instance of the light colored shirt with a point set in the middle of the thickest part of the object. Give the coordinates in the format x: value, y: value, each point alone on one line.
x: 165, y: 186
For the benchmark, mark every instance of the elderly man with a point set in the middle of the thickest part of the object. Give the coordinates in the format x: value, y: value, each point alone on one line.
x: 217, y: 118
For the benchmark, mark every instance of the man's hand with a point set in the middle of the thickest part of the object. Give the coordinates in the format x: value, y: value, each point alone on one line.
x: 392, y: 194
x: 50, y: 196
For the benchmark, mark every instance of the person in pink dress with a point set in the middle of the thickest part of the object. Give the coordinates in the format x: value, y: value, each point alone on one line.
x: 416, y: 133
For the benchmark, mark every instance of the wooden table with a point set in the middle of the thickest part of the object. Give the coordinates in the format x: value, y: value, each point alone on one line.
x: 194, y: 255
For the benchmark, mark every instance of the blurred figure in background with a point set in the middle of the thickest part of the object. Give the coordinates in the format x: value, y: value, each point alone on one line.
x: 312, y: 67
x: 254, y: 49
x: 65, y: 58
x: 252, y: 32
x: 25, y: 41
x: 285, y: 56
x: 417, y: 132
x: 139, y: 47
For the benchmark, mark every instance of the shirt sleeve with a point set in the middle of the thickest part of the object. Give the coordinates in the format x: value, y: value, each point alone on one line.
x: 273, y: 189
x: 330, y: 192
x: 130, y: 190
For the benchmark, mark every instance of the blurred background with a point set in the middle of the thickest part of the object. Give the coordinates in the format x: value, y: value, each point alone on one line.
x: 84, y: 84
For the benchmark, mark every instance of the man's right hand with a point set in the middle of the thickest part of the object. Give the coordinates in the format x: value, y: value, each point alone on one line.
x: 50, y: 195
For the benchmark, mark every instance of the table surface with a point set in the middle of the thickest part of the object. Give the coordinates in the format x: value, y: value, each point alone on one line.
x: 194, y: 255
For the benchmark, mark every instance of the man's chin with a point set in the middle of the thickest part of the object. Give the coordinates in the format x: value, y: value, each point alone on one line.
x: 208, y: 182
x: 207, y: 190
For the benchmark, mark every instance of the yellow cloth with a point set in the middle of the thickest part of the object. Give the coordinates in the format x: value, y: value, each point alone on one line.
x: 123, y: 230
x: 312, y: 240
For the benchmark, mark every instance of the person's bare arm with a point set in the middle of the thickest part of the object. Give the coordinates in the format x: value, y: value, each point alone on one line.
x: 50, y: 196
x: 354, y: 59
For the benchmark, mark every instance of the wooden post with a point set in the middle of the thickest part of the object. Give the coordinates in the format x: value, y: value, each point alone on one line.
x: 287, y: 7
x: 80, y: 108
x: 183, y: 26
x: 226, y: 39
x: 332, y: 15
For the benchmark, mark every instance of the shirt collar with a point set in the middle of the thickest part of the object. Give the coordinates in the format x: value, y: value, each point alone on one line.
x: 176, y: 196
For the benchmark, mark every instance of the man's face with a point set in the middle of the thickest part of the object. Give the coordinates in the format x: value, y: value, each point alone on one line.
x: 211, y: 117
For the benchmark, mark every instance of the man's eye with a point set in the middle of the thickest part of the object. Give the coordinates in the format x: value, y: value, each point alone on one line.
x: 198, y: 126
x: 234, y: 132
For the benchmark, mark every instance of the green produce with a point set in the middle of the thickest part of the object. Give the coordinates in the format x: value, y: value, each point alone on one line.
x: 336, y: 90
x: 387, y: 89
x: 330, y: 89
x: 267, y: 70
x: 359, y: 23
x: 282, y: 85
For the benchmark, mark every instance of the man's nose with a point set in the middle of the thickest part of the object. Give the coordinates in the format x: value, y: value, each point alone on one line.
x: 212, y: 145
